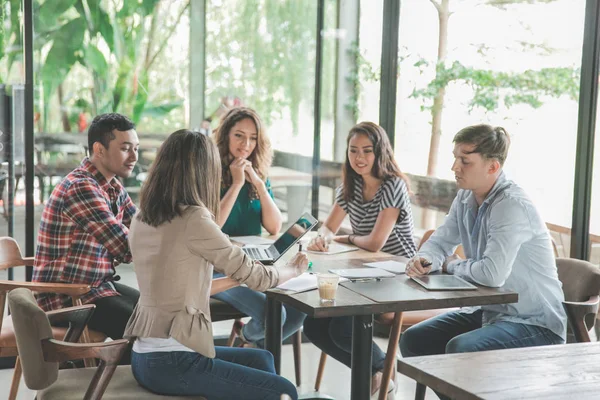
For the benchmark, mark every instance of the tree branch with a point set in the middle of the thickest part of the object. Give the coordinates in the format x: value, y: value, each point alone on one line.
x: 437, y: 5
x: 164, y: 43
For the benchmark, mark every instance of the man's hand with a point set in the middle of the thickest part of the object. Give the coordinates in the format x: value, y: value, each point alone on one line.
x: 448, y: 260
x: 418, y: 266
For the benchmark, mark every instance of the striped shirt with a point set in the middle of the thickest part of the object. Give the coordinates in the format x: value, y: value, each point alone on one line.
x: 392, y: 193
x: 83, y: 232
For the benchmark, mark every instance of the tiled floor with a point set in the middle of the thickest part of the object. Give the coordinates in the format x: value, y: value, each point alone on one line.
x: 336, y: 380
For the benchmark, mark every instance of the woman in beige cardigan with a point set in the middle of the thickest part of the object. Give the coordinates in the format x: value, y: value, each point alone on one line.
x: 175, y: 243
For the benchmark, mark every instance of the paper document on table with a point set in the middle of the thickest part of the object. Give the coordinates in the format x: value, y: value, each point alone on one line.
x: 396, y: 267
x: 362, y: 273
x: 335, y: 248
x: 253, y: 240
x: 302, y: 283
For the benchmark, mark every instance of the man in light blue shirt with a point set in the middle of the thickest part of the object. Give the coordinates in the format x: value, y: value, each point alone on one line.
x: 506, y: 245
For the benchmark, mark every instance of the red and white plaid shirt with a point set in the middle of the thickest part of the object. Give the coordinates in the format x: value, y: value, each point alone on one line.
x: 84, y: 229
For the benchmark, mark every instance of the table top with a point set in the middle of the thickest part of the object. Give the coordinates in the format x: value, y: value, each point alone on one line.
x: 545, y: 372
x: 414, y: 297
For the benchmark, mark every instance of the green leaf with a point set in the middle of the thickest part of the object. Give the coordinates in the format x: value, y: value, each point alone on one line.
x: 157, y: 111
x: 49, y: 11
x: 100, y: 22
x: 62, y: 55
x: 141, y: 97
x: 95, y: 60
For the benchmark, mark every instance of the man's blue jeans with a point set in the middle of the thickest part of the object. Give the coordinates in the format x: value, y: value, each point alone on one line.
x: 235, y: 373
x: 253, y: 304
x: 462, y: 332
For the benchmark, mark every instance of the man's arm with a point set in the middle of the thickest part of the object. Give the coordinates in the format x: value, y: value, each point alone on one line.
x: 129, y: 210
x: 509, y: 228
x: 85, y: 205
x: 444, y: 240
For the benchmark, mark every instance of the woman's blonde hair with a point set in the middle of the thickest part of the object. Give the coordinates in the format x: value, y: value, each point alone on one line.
x: 261, y: 157
x: 186, y: 172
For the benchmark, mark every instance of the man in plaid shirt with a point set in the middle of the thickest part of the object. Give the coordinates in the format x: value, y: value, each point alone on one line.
x: 85, y: 224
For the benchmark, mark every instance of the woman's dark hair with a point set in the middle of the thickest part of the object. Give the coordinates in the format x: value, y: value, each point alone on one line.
x: 385, y: 165
x: 186, y: 172
x: 102, y: 127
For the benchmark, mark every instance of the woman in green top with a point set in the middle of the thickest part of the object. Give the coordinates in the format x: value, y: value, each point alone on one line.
x: 246, y: 197
x: 246, y: 205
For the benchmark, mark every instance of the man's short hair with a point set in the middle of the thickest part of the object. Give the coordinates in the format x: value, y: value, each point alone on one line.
x: 489, y: 141
x: 102, y: 127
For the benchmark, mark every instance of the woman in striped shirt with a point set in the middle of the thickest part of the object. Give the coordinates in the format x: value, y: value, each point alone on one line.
x: 374, y: 194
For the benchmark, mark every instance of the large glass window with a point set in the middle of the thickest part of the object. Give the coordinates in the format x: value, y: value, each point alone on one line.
x: 514, y: 65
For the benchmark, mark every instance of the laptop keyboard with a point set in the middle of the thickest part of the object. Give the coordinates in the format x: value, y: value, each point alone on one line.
x: 255, y: 253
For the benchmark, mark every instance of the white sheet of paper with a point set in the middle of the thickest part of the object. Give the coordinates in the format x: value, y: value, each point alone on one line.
x: 396, y: 267
x: 254, y: 240
x: 361, y: 273
x: 335, y: 248
x: 302, y: 283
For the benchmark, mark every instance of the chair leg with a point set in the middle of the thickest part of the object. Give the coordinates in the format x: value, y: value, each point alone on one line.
x: 320, y: 371
x: 296, y: 345
x: 390, y: 357
x: 14, y: 387
x: 420, y: 392
x: 233, y: 333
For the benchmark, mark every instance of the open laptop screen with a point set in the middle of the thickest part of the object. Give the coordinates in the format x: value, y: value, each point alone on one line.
x: 294, y: 233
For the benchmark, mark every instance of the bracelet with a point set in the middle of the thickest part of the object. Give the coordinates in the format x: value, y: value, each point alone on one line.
x: 350, y: 239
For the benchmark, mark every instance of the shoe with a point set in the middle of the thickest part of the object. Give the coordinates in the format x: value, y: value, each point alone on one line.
x: 390, y: 392
x: 237, y: 328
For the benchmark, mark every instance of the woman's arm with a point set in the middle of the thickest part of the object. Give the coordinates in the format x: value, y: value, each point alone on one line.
x: 227, y: 203
x: 222, y: 284
x: 379, y: 235
x: 332, y: 223
x: 270, y: 215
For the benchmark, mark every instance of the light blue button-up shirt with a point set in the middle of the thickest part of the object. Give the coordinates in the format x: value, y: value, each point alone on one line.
x: 506, y: 245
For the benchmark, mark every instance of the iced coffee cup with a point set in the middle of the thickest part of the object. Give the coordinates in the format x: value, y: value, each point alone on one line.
x: 327, y: 284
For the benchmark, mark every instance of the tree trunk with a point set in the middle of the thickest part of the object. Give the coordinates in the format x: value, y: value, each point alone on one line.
x: 443, y: 8
x: 63, y: 113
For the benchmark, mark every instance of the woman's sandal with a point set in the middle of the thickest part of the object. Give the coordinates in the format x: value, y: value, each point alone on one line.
x: 237, y: 329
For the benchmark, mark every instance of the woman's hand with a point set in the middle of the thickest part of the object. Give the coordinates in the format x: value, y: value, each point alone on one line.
x: 237, y: 168
x: 299, y: 263
x: 318, y: 243
x: 251, y: 175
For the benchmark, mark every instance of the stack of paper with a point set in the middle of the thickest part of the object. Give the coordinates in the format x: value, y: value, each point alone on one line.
x: 305, y: 282
x: 335, y: 248
x: 251, y: 240
x: 362, y: 273
x: 392, y: 266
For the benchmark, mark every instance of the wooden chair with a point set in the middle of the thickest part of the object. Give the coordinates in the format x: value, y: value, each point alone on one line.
x: 40, y: 354
x: 581, y: 286
x: 398, y: 323
x: 10, y: 256
x: 221, y: 311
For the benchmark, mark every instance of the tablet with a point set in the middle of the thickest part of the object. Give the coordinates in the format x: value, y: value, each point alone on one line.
x: 443, y: 282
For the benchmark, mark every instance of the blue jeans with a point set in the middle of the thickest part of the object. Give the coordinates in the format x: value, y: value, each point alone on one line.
x: 334, y: 337
x: 253, y: 304
x: 235, y: 373
x: 462, y: 332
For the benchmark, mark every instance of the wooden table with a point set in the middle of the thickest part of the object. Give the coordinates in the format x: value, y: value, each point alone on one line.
x: 545, y: 372
x: 349, y: 303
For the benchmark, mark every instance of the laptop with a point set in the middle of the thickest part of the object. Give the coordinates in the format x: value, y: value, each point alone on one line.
x: 443, y: 282
x: 272, y: 253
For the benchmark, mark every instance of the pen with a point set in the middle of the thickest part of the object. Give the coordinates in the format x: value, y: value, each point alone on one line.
x: 300, y: 250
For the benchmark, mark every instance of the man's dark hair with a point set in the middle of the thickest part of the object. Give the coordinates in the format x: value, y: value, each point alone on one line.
x: 102, y: 127
x: 489, y: 141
